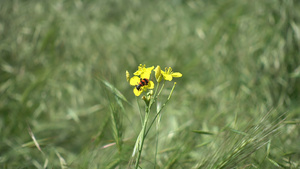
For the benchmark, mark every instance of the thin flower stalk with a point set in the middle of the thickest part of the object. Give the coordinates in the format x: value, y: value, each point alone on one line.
x: 142, y: 83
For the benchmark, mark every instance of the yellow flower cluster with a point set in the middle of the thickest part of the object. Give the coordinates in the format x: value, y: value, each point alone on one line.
x: 141, y: 79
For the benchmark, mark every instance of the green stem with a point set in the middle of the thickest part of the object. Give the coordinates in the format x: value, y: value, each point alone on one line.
x: 160, y: 109
x: 140, y: 148
x: 160, y: 89
x: 139, y: 110
x: 155, y: 94
x: 155, y: 97
x: 156, y: 146
x: 144, y: 132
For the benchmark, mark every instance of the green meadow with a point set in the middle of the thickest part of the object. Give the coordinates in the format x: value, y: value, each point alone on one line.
x: 65, y: 101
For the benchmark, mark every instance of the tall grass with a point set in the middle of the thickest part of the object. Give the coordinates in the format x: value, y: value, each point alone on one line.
x: 62, y: 82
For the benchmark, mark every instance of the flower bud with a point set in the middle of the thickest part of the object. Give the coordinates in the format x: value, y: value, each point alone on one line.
x: 127, y: 76
x: 150, y: 93
x: 158, y: 74
x: 146, y: 99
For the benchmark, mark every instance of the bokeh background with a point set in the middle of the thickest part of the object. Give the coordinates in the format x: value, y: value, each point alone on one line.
x: 61, y: 63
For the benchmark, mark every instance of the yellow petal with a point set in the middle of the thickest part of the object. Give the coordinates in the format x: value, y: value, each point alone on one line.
x: 142, y: 69
x: 149, y: 69
x: 138, y: 72
x: 168, y: 77
x: 137, y: 92
x: 176, y: 74
x: 134, y: 81
x: 145, y: 75
x: 150, y: 85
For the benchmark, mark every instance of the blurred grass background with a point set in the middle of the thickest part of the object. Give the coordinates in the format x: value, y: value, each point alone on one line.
x: 239, y: 60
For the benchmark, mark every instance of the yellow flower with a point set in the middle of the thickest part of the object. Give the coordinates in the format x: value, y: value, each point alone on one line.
x: 141, y: 80
x: 143, y: 71
x: 135, y: 81
x: 168, y: 74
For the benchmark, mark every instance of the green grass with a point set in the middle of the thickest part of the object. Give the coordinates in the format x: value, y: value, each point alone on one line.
x: 62, y: 82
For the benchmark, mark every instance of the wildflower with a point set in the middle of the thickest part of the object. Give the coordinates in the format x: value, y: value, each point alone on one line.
x: 168, y: 74
x: 143, y: 71
x: 135, y: 80
x: 141, y: 74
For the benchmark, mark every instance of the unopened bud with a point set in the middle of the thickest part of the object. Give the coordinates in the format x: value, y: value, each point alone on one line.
x: 127, y: 76
x: 158, y: 74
